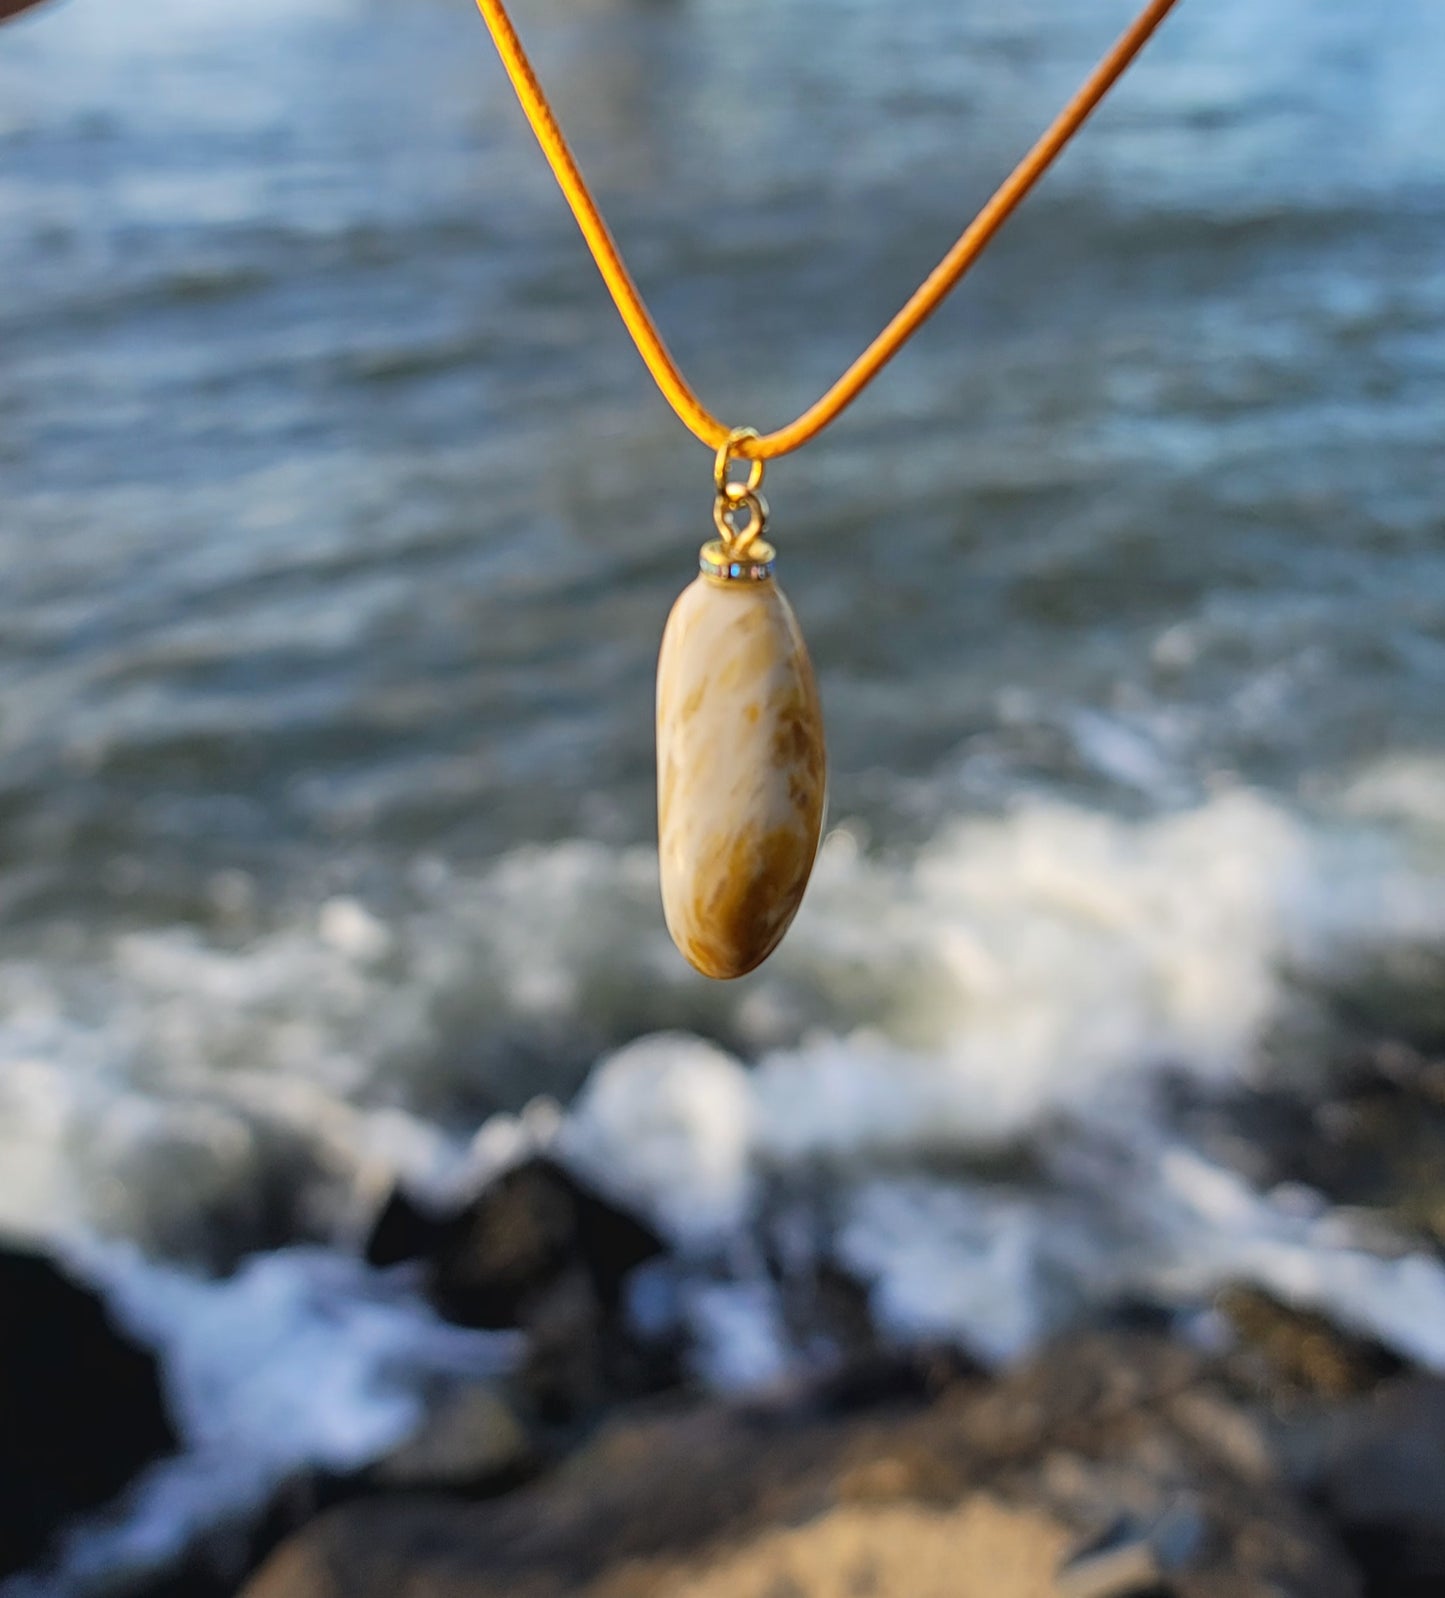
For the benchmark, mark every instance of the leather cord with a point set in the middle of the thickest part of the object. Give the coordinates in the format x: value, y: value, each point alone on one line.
x: 926, y: 299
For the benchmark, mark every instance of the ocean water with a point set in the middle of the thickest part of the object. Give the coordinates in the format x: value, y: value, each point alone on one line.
x: 339, y: 525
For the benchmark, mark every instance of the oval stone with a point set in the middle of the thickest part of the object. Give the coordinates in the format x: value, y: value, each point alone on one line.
x: 741, y: 772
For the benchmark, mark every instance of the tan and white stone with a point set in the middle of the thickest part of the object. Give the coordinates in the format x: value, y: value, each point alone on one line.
x: 741, y: 772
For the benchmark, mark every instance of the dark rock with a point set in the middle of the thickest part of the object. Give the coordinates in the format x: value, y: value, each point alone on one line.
x: 1381, y: 1150
x: 403, y: 1231
x: 724, y: 1503
x: 1378, y: 1468
x: 1293, y: 1353
x: 1374, y: 1144
x: 81, y: 1410
x: 491, y: 1261
x: 885, y: 1376
x: 541, y: 1251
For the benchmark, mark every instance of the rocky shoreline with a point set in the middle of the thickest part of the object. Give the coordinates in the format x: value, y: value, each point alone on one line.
x: 1278, y: 1456
x: 1115, y: 1465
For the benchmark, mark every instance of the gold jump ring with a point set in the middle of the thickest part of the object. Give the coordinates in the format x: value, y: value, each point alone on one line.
x: 726, y: 454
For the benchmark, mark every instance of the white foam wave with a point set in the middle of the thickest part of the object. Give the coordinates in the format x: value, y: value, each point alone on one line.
x: 1144, y: 1218
x: 669, y: 1123
x: 1011, y: 971
x: 169, y: 1082
x: 1024, y: 980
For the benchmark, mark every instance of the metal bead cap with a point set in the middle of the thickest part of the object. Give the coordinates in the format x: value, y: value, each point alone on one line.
x: 752, y: 565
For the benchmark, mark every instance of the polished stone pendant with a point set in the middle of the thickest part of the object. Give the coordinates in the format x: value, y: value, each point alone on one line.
x: 741, y: 768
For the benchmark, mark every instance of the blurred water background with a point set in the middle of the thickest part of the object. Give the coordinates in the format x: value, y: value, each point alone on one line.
x: 339, y: 525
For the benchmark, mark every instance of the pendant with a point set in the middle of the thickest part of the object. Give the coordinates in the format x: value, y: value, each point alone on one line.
x: 741, y: 766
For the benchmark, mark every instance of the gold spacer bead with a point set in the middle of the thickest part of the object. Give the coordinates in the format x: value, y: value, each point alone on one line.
x: 755, y: 565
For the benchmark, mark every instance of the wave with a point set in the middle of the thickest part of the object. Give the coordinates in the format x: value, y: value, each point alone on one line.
x: 204, y: 1094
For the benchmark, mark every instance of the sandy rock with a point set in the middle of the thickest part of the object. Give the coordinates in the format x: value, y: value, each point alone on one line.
x: 475, y: 1442
x: 715, y: 1502
x: 978, y: 1549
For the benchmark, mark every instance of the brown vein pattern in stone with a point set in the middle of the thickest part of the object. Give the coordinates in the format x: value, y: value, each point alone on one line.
x: 741, y: 773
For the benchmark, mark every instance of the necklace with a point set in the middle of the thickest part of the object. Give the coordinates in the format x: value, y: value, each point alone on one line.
x: 741, y: 765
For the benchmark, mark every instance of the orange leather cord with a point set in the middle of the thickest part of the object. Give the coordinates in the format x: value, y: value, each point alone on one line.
x: 926, y: 299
